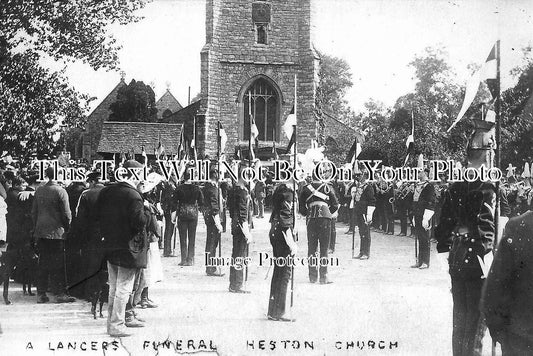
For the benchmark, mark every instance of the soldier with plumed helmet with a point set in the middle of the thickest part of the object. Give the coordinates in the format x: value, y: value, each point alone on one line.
x: 466, y: 232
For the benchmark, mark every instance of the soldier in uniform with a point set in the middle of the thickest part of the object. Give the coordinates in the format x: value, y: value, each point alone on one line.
x: 404, y: 202
x: 388, y: 208
x: 423, y: 209
x: 508, y: 296
x: 283, y: 244
x: 364, y: 206
x: 166, y: 191
x: 239, y: 204
x: 466, y: 230
x: 318, y: 203
x: 211, y: 210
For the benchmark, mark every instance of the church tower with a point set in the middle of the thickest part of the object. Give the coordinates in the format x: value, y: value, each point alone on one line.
x: 253, y: 51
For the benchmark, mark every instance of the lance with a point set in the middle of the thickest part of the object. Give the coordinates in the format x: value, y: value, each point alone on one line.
x: 249, y: 181
x: 353, y: 227
x: 219, y: 195
x: 498, y: 159
x: 294, y: 132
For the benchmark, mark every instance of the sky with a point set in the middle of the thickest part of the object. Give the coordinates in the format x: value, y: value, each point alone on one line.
x: 378, y: 38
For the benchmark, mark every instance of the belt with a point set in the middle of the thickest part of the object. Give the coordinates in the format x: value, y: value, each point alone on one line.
x: 318, y: 203
x: 463, y: 234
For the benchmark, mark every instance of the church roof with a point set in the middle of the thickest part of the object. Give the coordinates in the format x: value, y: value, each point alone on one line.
x: 118, y: 137
x: 167, y: 101
x: 102, y: 111
x: 334, y: 128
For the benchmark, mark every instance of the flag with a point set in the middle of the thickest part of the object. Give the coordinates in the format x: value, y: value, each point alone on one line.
x: 160, y: 149
x: 252, y: 154
x: 354, y: 151
x: 289, y: 123
x: 274, y: 149
x: 145, y: 158
x: 488, y: 73
x: 292, y: 142
x: 238, y: 153
x: 180, y: 147
x: 222, y: 137
x: 410, y: 142
x: 254, y: 132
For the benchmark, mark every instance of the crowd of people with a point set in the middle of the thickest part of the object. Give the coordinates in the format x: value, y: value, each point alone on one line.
x: 98, y: 240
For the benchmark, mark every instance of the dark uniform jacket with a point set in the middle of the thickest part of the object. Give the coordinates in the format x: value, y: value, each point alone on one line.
x: 211, y: 204
x: 238, y: 205
x: 122, y: 218
x: 508, y: 297
x: 405, y: 195
x: 88, y: 232
x: 467, y: 227
x: 87, y: 215
x: 364, y: 197
x: 186, y: 200
x: 16, y: 218
x: 425, y: 200
x: 166, y: 191
x: 282, y: 206
x: 318, y: 200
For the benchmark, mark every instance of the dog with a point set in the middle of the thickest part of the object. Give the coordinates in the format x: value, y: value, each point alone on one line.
x: 24, y: 260
x: 27, y: 268
x: 98, y: 291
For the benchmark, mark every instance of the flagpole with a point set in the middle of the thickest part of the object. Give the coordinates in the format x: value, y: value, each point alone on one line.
x: 498, y: 159
x: 498, y: 140
x: 219, y: 144
x: 295, y: 234
x: 249, y: 165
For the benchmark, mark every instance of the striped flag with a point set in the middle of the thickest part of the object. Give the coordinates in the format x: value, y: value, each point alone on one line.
x: 145, y: 157
x: 354, y: 151
x: 292, y: 142
x: 289, y: 123
x: 274, y: 149
x: 410, y: 142
x: 160, y: 149
x: 222, y: 136
x: 288, y: 128
x: 487, y: 72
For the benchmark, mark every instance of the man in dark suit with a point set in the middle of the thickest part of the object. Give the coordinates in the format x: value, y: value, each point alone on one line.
x: 507, y: 301
x: 283, y: 244
x: 364, y: 206
x: 88, y: 233
x: 211, y: 209
x: 239, y: 205
x: 166, y: 190
x: 122, y: 221
x: 423, y: 209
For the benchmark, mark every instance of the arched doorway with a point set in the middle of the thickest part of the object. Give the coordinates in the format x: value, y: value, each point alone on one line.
x: 261, y: 100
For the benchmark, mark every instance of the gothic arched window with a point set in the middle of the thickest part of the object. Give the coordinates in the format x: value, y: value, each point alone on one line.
x: 261, y: 101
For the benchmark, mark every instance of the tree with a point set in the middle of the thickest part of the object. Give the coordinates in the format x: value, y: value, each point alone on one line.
x: 36, y: 102
x: 135, y: 103
x: 432, y: 106
x: 517, y: 115
x: 335, y: 79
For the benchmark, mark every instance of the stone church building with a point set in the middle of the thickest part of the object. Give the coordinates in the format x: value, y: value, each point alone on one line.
x: 254, y: 53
